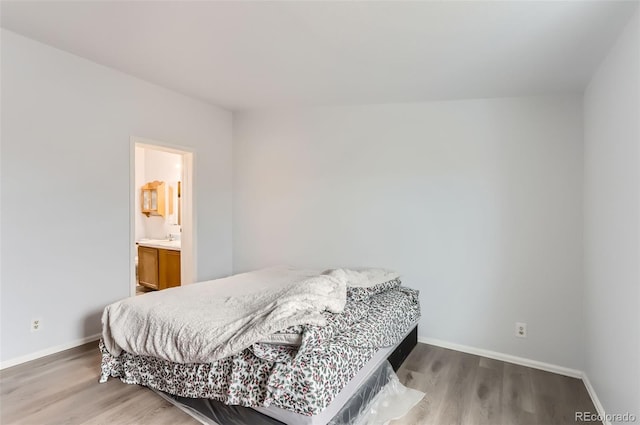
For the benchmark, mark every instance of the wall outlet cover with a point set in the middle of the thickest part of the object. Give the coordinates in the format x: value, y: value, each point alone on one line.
x: 521, y: 329
x: 36, y: 324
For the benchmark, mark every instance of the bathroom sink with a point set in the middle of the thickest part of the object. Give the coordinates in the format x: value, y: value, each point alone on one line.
x: 160, y: 243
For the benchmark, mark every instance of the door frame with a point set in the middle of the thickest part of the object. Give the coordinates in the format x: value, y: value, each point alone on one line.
x: 189, y: 223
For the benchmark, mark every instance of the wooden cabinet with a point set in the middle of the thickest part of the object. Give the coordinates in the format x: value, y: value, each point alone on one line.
x: 148, y: 269
x: 152, y: 198
x: 169, y: 268
x: 158, y: 268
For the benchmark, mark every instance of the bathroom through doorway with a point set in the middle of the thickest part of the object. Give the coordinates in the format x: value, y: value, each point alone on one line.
x: 161, y: 208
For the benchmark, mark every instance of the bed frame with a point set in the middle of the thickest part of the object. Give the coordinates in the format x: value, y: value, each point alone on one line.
x: 403, y: 350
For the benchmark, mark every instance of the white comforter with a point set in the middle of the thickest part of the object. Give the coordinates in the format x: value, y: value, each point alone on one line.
x: 198, y: 324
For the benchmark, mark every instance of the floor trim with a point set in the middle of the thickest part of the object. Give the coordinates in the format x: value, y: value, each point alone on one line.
x: 48, y: 351
x: 594, y: 398
x: 573, y: 373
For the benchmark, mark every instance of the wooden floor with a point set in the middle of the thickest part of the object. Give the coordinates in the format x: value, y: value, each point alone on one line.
x: 461, y: 389
x: 471, y: 390
x: 64, y: 389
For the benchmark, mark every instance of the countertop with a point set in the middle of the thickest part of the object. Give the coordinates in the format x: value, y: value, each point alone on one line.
x: 160, y: 243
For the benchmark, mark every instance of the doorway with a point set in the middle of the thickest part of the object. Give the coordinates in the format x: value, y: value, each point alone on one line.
x: 162, y: 225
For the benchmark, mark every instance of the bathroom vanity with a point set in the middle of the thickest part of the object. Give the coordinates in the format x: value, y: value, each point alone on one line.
x: 158, y: 263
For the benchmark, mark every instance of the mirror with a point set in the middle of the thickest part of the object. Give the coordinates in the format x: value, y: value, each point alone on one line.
x: 154, y: 200
x: 173, y: 203
x: 170, y: 200
x: 146, y: 200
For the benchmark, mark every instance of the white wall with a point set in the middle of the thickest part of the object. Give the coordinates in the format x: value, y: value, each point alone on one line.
x: 612, y: 225
x: 66, y: 128
x: 477, y: 203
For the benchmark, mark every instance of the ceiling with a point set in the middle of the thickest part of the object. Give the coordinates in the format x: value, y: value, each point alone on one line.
x: 244, y: 55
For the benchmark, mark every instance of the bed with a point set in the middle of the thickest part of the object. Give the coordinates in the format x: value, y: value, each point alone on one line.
x: 302, y: 373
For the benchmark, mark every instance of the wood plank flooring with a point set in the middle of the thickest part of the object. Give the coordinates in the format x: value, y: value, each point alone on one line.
x: 64, y: 389
x: 471, y: 390
x: 461, y: 389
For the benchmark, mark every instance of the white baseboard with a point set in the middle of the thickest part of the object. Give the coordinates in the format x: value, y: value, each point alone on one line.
x: 594, y: 398
x: 48, y: 351
x: 573, y: 373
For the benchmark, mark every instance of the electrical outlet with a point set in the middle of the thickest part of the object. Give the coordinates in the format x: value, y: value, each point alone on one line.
x: 521, y: 329
x: 36, y: 325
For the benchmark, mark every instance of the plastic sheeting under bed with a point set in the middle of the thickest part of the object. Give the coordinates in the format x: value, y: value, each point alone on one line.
x: 380, y: 399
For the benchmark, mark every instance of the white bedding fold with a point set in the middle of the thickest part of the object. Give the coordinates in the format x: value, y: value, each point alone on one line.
x: 364, y: 278
x: 195, y: 324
